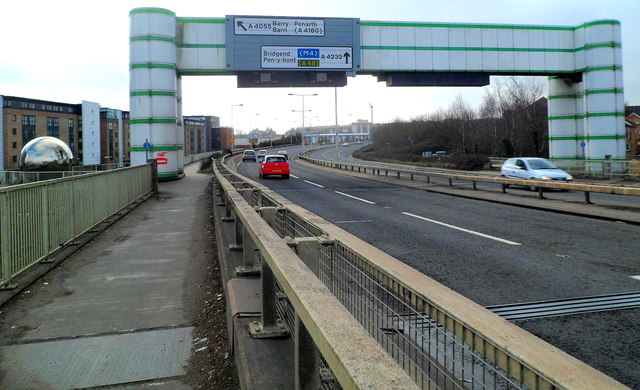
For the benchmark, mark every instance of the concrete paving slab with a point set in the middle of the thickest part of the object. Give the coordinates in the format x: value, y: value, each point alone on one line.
x: 96, y: 361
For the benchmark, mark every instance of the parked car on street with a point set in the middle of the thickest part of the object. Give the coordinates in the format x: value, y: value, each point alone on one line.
x: 283, y: 153
x: 261, y: 153
x: 535, y: 168
x: 274, y: 165
x: 249, y: 155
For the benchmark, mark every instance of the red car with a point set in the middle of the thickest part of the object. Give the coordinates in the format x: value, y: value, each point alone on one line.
x: 274, y: 165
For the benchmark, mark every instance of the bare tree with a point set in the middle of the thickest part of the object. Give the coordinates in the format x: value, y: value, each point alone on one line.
x: 461, y: 116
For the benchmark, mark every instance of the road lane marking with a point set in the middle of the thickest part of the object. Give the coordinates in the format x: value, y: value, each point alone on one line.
x: 314, y: 184
x: 294, y: 176
x: 637, y: 277
x: 463, y: 229
x: 363, y: 221
x: 355, y: 197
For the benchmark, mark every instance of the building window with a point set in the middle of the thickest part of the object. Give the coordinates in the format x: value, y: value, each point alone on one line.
x: 15, y: 159
x: 14, y: 131
x: 71, y: 134
x: 14, y: 145
x: 53, y: 127
x: 28, y: 128
x: 628, y: 147
x: 15, y: 118
x: 110, y: 142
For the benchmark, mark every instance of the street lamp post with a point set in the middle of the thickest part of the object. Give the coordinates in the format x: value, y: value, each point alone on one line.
x: 303, y: 96
x: 232, y: 106
x: 233, y: 129
x: 336, y: 111
x: 371, y: 125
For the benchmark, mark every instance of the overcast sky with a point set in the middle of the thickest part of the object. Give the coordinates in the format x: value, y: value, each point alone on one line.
x: 69, y: 51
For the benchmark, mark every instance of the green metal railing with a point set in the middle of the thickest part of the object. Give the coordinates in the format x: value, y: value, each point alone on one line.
x: 38, y: 218
x: 196, y: 157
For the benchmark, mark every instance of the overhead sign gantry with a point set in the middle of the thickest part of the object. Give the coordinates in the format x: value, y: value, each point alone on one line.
x: 584, y: 65
x: 327, y: 50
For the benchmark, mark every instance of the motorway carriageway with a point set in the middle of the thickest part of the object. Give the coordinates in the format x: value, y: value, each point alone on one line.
x: 492, y: 253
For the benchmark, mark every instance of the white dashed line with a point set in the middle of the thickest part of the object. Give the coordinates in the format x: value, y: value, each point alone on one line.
x: 355, y: 197
x: 463, y: 229
x: 294, y: 176
x: 637, y: 277
x: 314, y: 184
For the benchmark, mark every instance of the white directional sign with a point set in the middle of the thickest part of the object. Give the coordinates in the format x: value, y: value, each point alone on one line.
x: 279, y: 26
x: 306, y: 57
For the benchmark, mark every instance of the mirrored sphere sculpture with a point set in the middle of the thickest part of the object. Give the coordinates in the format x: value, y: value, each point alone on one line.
x: 46, y: 154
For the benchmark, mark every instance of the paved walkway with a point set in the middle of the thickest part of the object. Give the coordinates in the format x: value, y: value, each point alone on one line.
x: 117, y: 312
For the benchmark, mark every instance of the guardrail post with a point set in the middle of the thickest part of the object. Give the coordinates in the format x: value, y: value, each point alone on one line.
x: 411, y: 176
x: 248, y: 267
x: 386, y: 172
x: 308, y: 250
x: 587, y: 197
x: 474, y: 185
x: 239, y: 235
x: 269, y: 215
x: 540, y: 194
x: 5, y: 266
x: 270, y: 326
x: 154, y: 174
x: 228, y: 216
x: 504, y: 188
x: 307, y: 361
x: 398, y: 174
x: 45, y: 222
x: 428, y: 179
x: 450, y: 182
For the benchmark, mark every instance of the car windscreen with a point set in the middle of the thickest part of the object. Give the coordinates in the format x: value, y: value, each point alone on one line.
x: 276, y: 159
x: 541, y: 164
x: 249, y: 152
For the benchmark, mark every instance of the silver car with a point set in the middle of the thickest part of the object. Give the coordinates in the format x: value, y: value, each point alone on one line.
x: 261, y: 154
x: 535, y: 168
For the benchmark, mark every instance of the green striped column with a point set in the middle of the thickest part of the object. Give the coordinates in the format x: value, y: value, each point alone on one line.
x: 153, y: 89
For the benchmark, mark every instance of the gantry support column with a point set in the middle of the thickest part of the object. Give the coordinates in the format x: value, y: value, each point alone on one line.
x: 180, y: 126
x: 586, y: 119
x: 153, y: 86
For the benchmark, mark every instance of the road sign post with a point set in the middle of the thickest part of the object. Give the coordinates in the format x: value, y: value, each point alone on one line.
x: 147, y: 147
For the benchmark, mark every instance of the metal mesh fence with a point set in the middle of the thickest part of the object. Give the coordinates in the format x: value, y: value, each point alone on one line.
x: 414, y: 333
x: 287, y: 313
x: 289, y: 224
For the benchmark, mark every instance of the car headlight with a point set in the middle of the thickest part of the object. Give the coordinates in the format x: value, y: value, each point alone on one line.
x: 569, y: 178
x: 545, y: 178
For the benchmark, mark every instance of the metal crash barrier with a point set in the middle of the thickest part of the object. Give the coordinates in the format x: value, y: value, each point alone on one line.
x: 427, y: 174
x: 39, y: 218
x: 361, y: 307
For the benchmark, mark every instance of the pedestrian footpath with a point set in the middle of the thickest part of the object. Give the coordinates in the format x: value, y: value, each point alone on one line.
x: 119, y: 310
